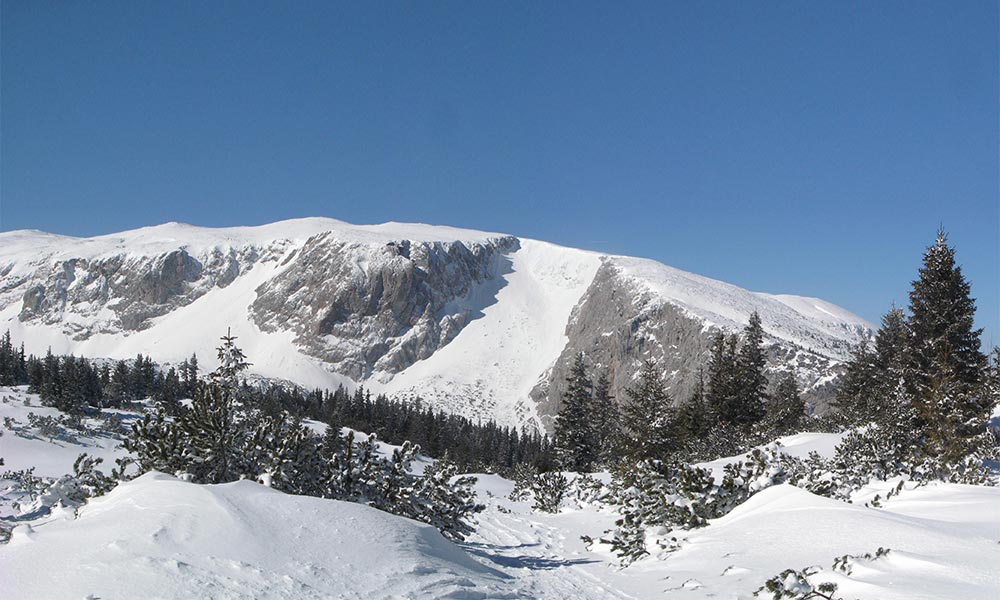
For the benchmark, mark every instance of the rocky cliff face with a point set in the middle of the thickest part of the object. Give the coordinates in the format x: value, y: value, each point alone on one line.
x: 122, y: 292
x: 476, y: 323
x: 361, y: 308
x: 619, y: 325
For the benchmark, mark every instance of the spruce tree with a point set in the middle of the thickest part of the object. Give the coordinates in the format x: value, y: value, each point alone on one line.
x: 751, y: 390
x: 576, y: 442
x: 608, y: 419
x: 786, y: 411
x: 232, y: 362
x: 693, y: 417
x: 648, y: 418
x: 721, y: 393
x: 941, y: 324
x: 944, y: 362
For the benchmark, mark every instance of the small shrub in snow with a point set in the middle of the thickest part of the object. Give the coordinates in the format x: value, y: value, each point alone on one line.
x: 589, y: 491
x: 793, y: 584
x: 25, y: 482
x: 845, y: 564
x: 658, y: 497
x: 75, y: 489
x: 549, y: 489
x: 523, y: 476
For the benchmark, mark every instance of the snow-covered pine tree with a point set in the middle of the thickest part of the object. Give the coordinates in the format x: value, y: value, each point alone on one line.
x: 213, y: 436
x: 944, y: 362
x: 751, y: 389
x: 648, y: 418
x: 232, y: 362
x: 856, y: 399
x: 891, y: 342
x: 577, y: 440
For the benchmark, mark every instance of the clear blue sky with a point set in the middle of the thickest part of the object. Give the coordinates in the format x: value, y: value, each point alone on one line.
x: 799, y: 147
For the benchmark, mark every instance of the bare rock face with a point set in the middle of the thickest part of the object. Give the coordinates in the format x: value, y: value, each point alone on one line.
x: 619, y: 326
x: 362, y: 308
x: 122, y: 292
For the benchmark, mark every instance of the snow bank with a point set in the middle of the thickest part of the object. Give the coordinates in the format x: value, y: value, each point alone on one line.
x: 158, y: 537
x: 943, y: 540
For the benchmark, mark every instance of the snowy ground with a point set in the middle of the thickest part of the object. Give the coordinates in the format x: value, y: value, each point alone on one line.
x: 158, y: 537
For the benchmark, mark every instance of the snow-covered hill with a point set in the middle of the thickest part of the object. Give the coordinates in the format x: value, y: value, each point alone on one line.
x: 483, y: 324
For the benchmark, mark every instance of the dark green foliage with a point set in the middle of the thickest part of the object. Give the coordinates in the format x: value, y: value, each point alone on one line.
x: 218, y: 439
x: 944, y: 364
x: 577, y: 441
x: 607, y: 420
x: 786, y: 411
x: 13, y: 363
x: 693, y: 417
x: 648, y: 425
x: 232, y: 363
x: 722, y: 377
x: 870, y: 387
x: 672, y: 495
x: 751, y: 391
x: 941, y: 324
x: 737, y: 384
x: 549, y: 489
x: 857, y: 399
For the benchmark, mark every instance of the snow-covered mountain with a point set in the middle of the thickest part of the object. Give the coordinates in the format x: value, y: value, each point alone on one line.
x: 482, y: 324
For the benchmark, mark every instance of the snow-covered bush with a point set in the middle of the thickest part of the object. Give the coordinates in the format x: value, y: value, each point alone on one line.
x: 217, y: 440
x: 523, y: 476
x: 74, y: 489
x: 658, y: 497
x: 792, y: 584
x: 548, y: 490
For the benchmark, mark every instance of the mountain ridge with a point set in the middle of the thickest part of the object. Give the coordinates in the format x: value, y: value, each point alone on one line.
x: 478, y: 323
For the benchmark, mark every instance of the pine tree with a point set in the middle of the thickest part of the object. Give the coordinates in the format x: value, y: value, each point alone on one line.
x: 751, y: 390
x: 693, y: 417
x: 941, y: 323
x: 232, y: 362
x: 891, y: 343
x: 945, y: 365
x: 648, y: 418
x: 721, y: 393
x: 786, y: 411
x: 857, y: 399
x: 577, y: 439
x: 608, y: 419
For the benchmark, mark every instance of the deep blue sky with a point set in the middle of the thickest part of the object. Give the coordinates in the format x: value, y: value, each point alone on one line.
x: 800, y: 147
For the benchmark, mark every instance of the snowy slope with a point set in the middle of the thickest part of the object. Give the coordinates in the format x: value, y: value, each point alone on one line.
x: 158, y: 537
x: 500, y: 339
x: 496, y: 361
x: 807, y: 322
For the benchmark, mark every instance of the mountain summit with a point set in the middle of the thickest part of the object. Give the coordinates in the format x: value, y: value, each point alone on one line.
x: 481, y: 324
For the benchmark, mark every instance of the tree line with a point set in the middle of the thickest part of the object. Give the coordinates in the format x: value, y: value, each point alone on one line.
x: 76, y: 386
x: 729, y: 409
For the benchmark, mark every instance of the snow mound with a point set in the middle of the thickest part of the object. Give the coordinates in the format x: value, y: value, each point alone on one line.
x: 943, y: 542
x: 159, y: 537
